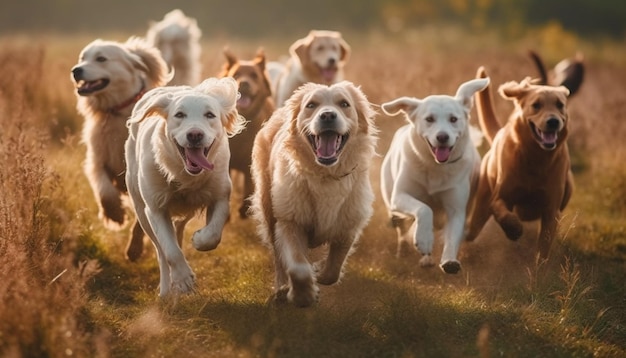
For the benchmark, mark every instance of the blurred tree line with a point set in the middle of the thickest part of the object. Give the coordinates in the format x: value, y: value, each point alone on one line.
x: 258, y: 18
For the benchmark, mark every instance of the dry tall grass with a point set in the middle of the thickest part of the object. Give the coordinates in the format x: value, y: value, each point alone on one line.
x: 54, y: 301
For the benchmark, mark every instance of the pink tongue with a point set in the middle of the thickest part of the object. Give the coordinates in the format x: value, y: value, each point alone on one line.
x: 327, y: 145
x: 549, y: 137
x: 442, y: 154
x: 195, y: 157
x: 244, y: 102
x: 328, y: 74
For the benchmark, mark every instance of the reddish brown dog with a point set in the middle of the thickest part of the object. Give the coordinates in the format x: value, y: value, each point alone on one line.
x: 256, y: 105
x: 526, y: 173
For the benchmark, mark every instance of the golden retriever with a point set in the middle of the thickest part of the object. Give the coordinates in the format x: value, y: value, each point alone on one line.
x: 109, y: 78
x: 177, y: 164
x: 310, y: 164
x: 320, y: 57
x: 256, y: 105
x: 526, y: 173
x: 178, y: 38
x: 431, y: 167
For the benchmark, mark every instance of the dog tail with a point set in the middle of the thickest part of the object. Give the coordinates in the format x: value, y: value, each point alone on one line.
x: 484, y: 107
x: 543, y: 74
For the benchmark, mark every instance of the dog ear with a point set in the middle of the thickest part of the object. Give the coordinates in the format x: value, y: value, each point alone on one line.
x: 466, y: 91
x: 148, y: 59
x: 364, y: 108
x: 513, y: 90
x: 259, y: 59
x: 407, y: 105
x: 300, y: 48
x: 294, y: 103
x: 225, y: 91
x: 154, y: 102
x: 345, y: 49
x: 231, y: 60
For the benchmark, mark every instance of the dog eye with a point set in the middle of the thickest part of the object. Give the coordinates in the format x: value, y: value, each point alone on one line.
x: 311, y: 105
x: 101, y: 59
x: 536, y: 105
x: 560, y: 105
x: 179, y: 115
x: 209, y: 115
x: 453, y: 119
x: 430, y: 119
x: 344, y: 104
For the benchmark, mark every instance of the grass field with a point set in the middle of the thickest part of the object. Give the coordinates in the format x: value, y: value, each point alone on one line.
x: 66, y: 289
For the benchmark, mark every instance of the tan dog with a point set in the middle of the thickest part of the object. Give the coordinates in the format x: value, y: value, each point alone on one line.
x: 310, y: 164
x: 177, y: 165
x: 256, y: 105
x: 526, y: 173
x: 109, y: 78
x: 320, y: 58
x: 178, y: 38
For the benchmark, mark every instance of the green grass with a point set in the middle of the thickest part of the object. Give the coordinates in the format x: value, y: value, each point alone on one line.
x: 502, y: 303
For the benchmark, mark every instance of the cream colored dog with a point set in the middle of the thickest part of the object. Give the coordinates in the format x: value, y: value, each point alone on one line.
x: 432, y: 166
x: 109, y: 78
x: 320, y: 58
x: 177, y: 164
x: 178, y: 38
x: 310, y: 163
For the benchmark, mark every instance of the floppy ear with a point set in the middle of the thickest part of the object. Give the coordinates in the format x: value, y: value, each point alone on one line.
x: 225, y: 91
x: 364, y: 108
x: 148, y: 59
x: 231, y: 60
x: 513, y: 90
x: 300, y: 48
x: 154, y: 102
x: 403, y: 104
x: 465, y: 93
x: 294, y: 103
x: 345, y: 49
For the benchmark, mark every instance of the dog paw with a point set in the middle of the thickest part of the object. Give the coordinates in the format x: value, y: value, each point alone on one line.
x: 134, y: 249
x: 112, y: 213
x: 512, y: 226
x: 279, y: 297
x: 303, y: 298
x: 426, y: 261
x: 184, y: 285
x: 203, y: 242
x: 451, y: 267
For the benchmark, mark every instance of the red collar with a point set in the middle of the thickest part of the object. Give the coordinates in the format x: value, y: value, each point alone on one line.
x: 128, y: 102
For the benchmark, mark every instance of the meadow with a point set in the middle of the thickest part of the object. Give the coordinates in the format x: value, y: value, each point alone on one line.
x: 66, y: 289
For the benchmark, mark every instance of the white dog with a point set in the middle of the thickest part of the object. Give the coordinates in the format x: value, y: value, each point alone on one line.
x: 319, y: 58
x: 432, y: 166
x: 110, y: 77
x: 177, y: 164
x: 310, y: 163
x: 178, y: 38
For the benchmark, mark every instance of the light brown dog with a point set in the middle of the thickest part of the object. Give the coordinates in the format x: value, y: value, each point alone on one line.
x: 319, y: 58
x: 310, y: 164
x: 109, y: 78
x: 256, y: 105
x: 526, y: 173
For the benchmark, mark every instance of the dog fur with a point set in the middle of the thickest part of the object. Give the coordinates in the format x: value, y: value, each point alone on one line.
x: 178, y: 38
x: 431, y: 168
x: 320, y: 57
x: 177, y: 165
x: 568, y: 72
x: 526, y: 173
x: 109, y: 78
x: 256, y: 105
x: 310, y: 164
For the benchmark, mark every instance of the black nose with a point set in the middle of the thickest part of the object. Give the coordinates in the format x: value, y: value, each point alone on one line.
x: 195, y: 137
x: 77, y: 72
x: 328, y: 116
x: 553, y: 124
x: 244, y: 85
x: 331, y: 61
x: 442, y: 138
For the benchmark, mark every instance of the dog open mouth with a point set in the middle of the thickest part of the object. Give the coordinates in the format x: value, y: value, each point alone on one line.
x: 327, y: 146
x: 328, y: 73
x: 441, y: 153
x: 546, y: 139
x: 244, y: 101
x: 195, y: 159
x: 85, y: 88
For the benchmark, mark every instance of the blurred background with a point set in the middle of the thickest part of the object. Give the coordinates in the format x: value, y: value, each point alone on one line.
x: 255, y: 19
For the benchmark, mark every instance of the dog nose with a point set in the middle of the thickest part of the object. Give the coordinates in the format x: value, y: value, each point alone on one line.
x: 328, y: 116
x: 195, y: 137
x: 244, y: 85
x: 331, y: 61
x: 77, y: 72
x: 553, y: 124
x: 443, y: 138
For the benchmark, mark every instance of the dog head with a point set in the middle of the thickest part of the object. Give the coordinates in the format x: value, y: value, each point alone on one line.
x: 252, y: 79
x: 541, y: 108
x: 440, y: 120
x: 322, y: 54
x: 118, y: 70
x: 331, y: 120
x: 197, y: 118
x: 174, y: 35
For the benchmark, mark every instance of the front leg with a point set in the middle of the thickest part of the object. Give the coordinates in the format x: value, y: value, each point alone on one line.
x: 549, y: 223
x: 403, y: 205
x: 210, y: 236
x: 455, y: 206
x: 111, y: 210
x: 509, y: 222
x: 181, y: 276
x: 333, y: 264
